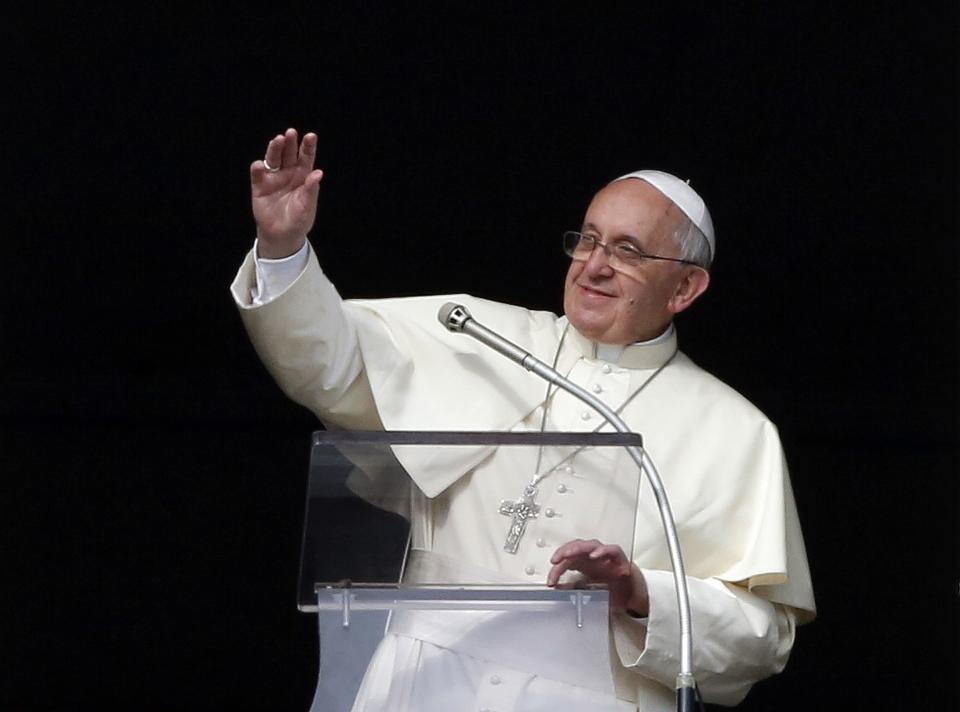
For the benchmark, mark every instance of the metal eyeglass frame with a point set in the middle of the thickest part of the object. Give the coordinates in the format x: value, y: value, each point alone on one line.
x: 569, y: 247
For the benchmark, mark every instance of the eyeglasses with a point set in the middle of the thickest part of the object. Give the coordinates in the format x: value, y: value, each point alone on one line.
x: 622, y: 254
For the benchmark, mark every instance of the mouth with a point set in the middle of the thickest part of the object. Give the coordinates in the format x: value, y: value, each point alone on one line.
x: 594, y: 292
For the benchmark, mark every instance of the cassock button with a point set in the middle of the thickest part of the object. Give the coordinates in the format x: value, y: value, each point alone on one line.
x: 597, y: 388
x: 561, y: 488
x: 606, y: 368
x: 550, y: 512
x: 585, y: 415
x: 568, y: 469
x: 495, y: 680
x: 541, y: 542
x: 530, y: 571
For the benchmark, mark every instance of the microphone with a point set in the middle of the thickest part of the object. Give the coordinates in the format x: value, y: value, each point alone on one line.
x: 457, y: 318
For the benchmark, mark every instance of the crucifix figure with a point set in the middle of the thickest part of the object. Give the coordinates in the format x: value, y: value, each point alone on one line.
x: 520, y: 511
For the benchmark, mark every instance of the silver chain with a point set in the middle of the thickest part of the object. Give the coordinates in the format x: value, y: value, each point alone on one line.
x: 537, y: 478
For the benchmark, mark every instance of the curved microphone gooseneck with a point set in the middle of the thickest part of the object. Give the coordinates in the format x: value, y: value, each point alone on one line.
x: 458, y: 319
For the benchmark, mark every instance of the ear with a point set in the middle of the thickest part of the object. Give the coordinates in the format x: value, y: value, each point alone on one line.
x: 692, y: 284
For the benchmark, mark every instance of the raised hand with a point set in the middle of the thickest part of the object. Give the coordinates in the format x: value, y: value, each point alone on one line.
x: 284, y: 187
x: 606, y: 564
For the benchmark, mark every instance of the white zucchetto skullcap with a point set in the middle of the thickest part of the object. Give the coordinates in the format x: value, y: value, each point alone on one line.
x: 684, y: 197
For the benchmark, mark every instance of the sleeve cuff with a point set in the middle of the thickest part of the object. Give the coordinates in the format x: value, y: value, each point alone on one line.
x: 274, y: 276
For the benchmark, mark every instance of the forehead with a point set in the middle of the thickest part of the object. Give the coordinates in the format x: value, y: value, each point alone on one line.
x: 632, y: 207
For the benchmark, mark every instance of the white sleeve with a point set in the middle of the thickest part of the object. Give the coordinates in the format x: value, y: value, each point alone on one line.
x: 304, y: 338
x: 739, y: 637
x: 274, y: 277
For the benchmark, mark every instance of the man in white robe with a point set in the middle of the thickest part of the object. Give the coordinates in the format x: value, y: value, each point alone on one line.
x: 388, y: 363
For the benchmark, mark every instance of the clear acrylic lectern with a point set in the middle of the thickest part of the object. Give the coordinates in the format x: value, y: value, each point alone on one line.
x: 388, y: 568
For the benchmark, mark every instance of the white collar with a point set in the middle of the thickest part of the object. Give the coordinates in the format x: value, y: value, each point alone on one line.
x: 642, y: 354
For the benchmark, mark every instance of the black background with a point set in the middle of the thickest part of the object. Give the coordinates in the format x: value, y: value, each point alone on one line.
x: 153, y: 476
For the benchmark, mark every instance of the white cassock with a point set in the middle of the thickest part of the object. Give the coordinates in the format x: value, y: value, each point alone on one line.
x: 389, y: 363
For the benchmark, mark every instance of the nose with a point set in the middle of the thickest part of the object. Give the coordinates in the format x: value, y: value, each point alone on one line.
x: 598, y: 264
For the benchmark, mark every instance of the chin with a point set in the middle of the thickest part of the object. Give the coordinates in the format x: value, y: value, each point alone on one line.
x: 590, y: 326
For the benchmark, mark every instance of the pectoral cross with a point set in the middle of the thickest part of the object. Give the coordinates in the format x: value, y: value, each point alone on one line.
x: 519, y: 511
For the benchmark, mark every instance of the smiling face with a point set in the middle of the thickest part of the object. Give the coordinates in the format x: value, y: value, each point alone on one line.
x: 612, y: 307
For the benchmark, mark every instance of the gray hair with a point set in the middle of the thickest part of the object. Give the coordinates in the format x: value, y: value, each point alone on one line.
x: 693, y: 243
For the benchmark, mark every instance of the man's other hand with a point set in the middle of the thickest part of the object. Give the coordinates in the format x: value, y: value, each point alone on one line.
x: 606, y: 564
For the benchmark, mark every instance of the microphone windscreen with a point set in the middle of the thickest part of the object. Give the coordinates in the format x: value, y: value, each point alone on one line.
x: 453, y: 321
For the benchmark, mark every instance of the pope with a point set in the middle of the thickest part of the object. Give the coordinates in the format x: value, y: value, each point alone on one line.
x: 641, y: 256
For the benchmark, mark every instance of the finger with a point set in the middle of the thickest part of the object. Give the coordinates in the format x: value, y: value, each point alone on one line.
x: 274, y: 153
x: 308, y: 151
x: 312, y: 182
x: 568, y: 550
x: 289, y: 149
x: 308, y: 192
x: 558, y: 570
x: 257, y: 172
x: 609, y: 551
x: 577, y: 547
